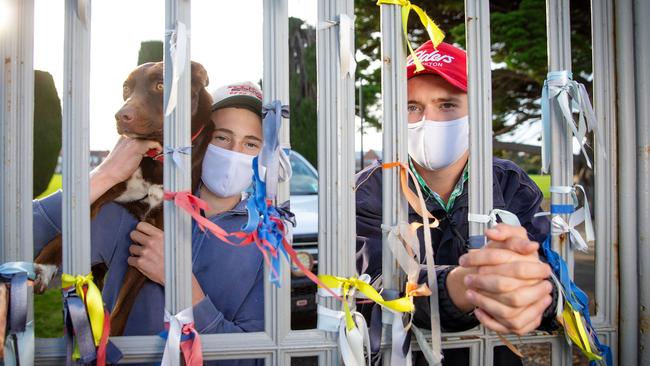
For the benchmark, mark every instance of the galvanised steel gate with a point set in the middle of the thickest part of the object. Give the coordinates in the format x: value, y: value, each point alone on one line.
x: 621, y: 42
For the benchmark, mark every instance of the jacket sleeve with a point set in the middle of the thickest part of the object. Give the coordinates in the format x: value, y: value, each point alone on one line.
x: 46, y: 214
x: 249, y: 318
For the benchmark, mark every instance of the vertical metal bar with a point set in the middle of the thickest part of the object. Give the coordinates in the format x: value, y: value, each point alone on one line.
x: 277, y: 309
x: 336, y: 157
x: 393, y: 86
x: 16, y: 129
x: 627, y: 193
x: 606, y: 214
x: 479, y: 95
x: 176, y: 133
x: 558, y: 30
x: 642, y: 55
x: 76, y: 150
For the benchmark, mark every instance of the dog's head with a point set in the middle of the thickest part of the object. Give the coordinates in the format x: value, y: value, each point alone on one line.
x: 141, y: 116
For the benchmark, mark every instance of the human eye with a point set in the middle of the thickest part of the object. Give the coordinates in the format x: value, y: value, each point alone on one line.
x: 413, y: 108
x: 448, y: 106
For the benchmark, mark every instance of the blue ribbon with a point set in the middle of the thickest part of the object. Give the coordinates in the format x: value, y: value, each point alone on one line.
x: 574, y: 295
x: 270, y: 155
x: 562, y: 209
x: 17, y: 274
x: 77, y: 328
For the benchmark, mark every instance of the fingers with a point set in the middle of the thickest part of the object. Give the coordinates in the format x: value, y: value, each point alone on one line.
x: 516, y: 244
x: 501, y: 232
x: 518, y: 270
x: 148, y: 229
x: 522, y: 297
x: 491, y: 257
x: 140, y: 237
x: 524, y: 322
x: 489, y: 322
x: 496, y: 283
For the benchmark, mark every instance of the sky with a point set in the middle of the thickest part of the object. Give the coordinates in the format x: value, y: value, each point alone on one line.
x: 226, y: 37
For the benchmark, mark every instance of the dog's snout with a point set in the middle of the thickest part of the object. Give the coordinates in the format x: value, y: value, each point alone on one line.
x: 125, y: 116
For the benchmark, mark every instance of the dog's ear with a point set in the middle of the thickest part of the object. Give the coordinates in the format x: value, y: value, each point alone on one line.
x: 199, y: 75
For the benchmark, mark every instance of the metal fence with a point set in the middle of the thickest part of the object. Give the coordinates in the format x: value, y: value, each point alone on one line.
x: 621, y: 40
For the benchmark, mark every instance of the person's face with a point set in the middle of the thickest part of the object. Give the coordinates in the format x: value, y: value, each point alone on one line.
x: 431, y: 97
x: 237, y: 129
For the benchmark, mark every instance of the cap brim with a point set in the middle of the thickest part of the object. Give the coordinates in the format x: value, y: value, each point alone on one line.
x: 240, y: 101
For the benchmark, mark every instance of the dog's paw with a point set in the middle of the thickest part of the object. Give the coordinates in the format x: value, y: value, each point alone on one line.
x: 44, y: 275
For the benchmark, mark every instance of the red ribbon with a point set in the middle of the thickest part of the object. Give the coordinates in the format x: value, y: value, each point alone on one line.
x: 193, y: 206
x: 191, y: 348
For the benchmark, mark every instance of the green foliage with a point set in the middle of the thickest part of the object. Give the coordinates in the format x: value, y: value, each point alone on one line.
x: 150, y: 51
x: 302, y: 89
x: 54, y: 185
x: 47, y: 130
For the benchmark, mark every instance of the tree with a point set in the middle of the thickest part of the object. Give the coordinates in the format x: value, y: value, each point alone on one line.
x: 302, y: 88
x: 47, y: 130
x: 150, y: 51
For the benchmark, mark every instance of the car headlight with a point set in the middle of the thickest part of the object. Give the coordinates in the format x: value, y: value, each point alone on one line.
x: 306, y: 260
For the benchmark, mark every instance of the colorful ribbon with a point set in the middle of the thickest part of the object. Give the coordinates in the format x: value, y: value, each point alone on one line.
x: 435, y: 34
x: 87, y: 321
x: 273, y: 161
x: 18, y: 341
x: 182, y: 336
x: 576, y: 217
x: 193, y: 206
x: 565, y: 94
x: 575, y: 311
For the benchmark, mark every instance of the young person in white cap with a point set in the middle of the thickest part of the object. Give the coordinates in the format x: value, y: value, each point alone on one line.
x: 227, y: 281
x: 505, y: 285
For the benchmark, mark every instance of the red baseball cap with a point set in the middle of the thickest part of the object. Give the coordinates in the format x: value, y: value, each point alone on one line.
x: 447, y: 61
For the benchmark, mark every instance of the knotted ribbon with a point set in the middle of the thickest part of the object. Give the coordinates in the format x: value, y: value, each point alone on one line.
x: 491, y: 219
x: 435, y: 34
x: 178, y: 53
x: 87, y: 321
x: 576, y: 217
x: 273, y: 161
x: 193, y: 206
x: 417, y: 203
x: 181, y: 335
x: 565, y: 94
x: 18, y: 343
x: 574, y: 311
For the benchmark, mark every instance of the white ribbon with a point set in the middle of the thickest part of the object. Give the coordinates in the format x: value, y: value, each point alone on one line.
x: 178, y: 51
x: 82, y: 12
x: 575, y: 219
x: 397, y: 357
x: 506, y: 217
x: 172, y: 353
x: 351, y: 344
x: 346, y: 47
x: 25, y: 342
x: 566, y: 94
x: 401, y: 237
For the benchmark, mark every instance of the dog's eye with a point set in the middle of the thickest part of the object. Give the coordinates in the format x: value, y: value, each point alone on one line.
x: 126, y: 90
x: 159, y: 86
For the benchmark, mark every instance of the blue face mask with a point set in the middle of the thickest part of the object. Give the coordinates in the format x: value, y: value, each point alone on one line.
x: 226, y: 173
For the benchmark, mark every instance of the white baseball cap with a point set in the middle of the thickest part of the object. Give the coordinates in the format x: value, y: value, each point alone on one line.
x: 243, y: 95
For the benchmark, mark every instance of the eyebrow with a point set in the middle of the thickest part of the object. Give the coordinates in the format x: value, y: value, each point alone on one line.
x: 225, y: 130
x: 437, y: 100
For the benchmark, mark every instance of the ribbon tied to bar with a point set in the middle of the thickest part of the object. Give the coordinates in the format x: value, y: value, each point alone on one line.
x: 17, y: 339
x: 182, y: 335
x: 435, y: 34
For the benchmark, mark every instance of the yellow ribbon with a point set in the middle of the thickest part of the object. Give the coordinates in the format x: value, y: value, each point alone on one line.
x: 401, y: 305
x: 575, y: 329
x: 92, y: 300
x: 435, y: 34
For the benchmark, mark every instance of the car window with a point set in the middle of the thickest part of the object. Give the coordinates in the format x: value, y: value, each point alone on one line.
x: 303, y: 180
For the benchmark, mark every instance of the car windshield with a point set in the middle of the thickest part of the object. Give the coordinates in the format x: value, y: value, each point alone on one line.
x: 304, y: 180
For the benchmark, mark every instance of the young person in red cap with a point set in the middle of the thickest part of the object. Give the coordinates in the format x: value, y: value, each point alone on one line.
x: 505, y: 285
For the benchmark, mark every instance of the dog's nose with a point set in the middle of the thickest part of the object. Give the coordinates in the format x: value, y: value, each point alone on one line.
x: 124, y: 116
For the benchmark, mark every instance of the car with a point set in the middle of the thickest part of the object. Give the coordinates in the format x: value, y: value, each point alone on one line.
x: 304, y: 205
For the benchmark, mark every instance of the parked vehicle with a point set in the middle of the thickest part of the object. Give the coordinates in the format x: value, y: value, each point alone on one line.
x: 304, y: 204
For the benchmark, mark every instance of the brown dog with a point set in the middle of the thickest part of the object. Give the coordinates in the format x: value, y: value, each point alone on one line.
x: 141, y: 117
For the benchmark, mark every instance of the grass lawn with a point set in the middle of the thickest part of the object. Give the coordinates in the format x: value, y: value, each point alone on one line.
x: 543, y: 182
x: 48, y: 309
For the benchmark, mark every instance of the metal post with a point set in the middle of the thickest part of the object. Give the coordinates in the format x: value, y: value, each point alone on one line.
x: 395, y: 142
x: 277, y: 310
x: 642, y: 77
x: 559, y: 58
x: 336, y: 157
x: 361, y: 112
x: 627, y: 193
x: 479, y: 95
x: 176, y: 133
x: 76, y: 150
x: 16, y: 129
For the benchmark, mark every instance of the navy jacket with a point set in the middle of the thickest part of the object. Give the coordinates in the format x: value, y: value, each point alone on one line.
x: 226, y: 308
x: 513, y: 191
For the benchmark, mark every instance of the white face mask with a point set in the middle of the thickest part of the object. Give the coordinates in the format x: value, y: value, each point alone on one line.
x: 435, y: 145
x: 226, y: 173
